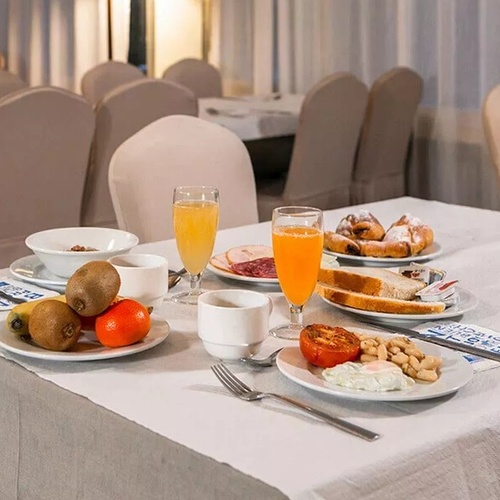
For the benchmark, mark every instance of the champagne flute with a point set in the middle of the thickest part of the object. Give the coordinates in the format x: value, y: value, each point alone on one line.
x: 195, y: 218
x: 298, y: 247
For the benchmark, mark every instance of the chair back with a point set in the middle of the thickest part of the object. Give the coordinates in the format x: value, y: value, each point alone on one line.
x: 491, y: 125
x: 180, y: 151
x: 203, y: 79
x: 2, y: 61
x: 44, y: 151
x: 380, y: 168
x: 325, y: 143
x: 9, y: 82
x: 119, y: 115
x: 101, y: 79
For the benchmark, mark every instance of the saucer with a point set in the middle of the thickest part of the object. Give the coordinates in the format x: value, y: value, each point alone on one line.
x: 31, y: 270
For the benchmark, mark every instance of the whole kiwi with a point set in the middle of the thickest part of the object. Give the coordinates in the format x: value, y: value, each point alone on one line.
x: 92, y: 288
x: 54, y: 325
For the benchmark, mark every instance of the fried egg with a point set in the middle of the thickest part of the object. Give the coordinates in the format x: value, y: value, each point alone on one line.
x: 376, y: 376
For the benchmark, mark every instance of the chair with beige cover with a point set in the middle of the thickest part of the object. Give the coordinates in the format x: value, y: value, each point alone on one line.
x: 323, y: 153
x: 9, y: 82
x: 179, y: 151
x: 98, y: 81
x: 44, y: 151
x: 203, y: 79
x: 119, y: 115
x: 491, y: 125
x: 380, y: 167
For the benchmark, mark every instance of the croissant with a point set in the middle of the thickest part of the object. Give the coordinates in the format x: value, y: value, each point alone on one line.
x: 394, y: 249
x: 412, y: 230
x: 340, y: 244
x: 361, y: 225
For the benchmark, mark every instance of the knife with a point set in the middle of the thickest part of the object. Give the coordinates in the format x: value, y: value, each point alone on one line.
x: 475, y: 351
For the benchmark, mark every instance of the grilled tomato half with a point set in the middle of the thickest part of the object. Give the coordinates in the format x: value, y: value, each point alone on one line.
x: 327, y: 346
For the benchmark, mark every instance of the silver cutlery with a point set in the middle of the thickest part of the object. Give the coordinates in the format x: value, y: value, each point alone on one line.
x: 175, y: 276
x: 431, y: 339
x: 263, y: 362
x: 14, y: 300
x: 242, y: 391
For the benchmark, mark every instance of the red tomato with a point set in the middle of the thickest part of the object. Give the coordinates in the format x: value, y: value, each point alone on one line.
x: 327, y: 346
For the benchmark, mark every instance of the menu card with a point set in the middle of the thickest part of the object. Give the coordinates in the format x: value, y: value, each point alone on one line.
x: 467, y: 335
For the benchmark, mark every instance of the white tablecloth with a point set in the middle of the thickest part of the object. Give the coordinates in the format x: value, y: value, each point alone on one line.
x: 444, y: 449
x: 254, y: 117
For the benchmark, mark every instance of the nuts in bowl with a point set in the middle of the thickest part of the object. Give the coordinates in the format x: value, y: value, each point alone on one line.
x: 63, y: 250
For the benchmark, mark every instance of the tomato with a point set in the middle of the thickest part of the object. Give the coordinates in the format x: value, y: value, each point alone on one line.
x: 327, y: 346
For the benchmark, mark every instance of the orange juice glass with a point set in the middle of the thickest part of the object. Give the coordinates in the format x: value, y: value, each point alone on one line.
x: 195, y: 217
x: 297, y: 234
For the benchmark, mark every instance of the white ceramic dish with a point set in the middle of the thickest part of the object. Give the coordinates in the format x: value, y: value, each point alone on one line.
x: 52, y: 246
x: 455, y: 373
x: 31, y: 270
x: 238, y: 277
x: 429, y: 253
x: 467, y: 303
x: 87, y: 349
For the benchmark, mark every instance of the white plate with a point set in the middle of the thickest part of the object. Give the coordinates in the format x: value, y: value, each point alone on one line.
x: 326, y: 261
x: 428, y: 253
x: 238, y: 277
x: 467, y: 303
x: 31, y: 270
x: 455, y: 373
x: 87, y: 349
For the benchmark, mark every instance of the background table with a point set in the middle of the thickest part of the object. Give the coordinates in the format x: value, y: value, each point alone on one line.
x: 266, y: 124
x: 159, y: 425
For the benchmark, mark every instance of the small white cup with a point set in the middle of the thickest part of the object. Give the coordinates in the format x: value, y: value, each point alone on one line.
x: 144, y: 277
x: 233, y: 324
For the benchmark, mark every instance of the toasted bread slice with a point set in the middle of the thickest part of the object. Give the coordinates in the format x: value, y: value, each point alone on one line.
x: 371, y: 281
x: 377, y: 304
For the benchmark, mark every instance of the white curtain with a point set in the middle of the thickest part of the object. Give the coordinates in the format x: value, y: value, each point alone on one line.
x: 53, y: 42
x: 453, y: 44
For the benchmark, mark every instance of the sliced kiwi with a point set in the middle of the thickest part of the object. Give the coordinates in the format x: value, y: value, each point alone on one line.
x: 92, y: 288
x: 54, y: 325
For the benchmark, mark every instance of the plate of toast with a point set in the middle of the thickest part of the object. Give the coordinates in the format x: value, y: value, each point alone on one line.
x: 386, y: 296
x: 362, y: 240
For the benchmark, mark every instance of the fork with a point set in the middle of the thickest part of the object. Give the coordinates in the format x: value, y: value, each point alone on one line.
x: 241, y: 390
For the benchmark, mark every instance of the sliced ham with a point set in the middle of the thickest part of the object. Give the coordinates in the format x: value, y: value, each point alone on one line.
x: 247, y: 253
x: 220, y: 262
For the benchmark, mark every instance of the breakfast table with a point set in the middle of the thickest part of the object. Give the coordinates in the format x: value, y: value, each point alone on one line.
x: 158, y: 424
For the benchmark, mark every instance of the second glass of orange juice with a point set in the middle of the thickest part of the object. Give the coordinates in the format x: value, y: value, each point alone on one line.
x: 195, y: 217
x: 297, y: 234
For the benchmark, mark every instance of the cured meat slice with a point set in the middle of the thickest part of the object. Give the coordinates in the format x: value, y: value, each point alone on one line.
x: 220, y: 262
x: 257, y: 268
x: 247, y: 253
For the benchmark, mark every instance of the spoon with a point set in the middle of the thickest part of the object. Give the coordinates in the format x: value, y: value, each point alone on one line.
x: 264, y: 362
x: 175, y: 276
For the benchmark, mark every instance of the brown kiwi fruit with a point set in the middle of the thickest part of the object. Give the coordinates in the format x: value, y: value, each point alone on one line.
x: 54, y: 325
x: 92, y: 288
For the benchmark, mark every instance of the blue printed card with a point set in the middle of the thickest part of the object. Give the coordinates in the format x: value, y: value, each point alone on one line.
x: 466, y: 335
x: 20, y: 290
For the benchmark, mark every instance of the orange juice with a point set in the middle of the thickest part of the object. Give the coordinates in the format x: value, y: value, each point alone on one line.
x: 195, y: 226
x: 297, y: 254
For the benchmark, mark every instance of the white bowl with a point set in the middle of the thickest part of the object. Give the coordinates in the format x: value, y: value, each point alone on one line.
x: 52, y: 246
x: 232, y: 352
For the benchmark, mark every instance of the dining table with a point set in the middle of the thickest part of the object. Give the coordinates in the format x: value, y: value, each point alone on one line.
x: 159, y: 425
x: 265, y: 123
